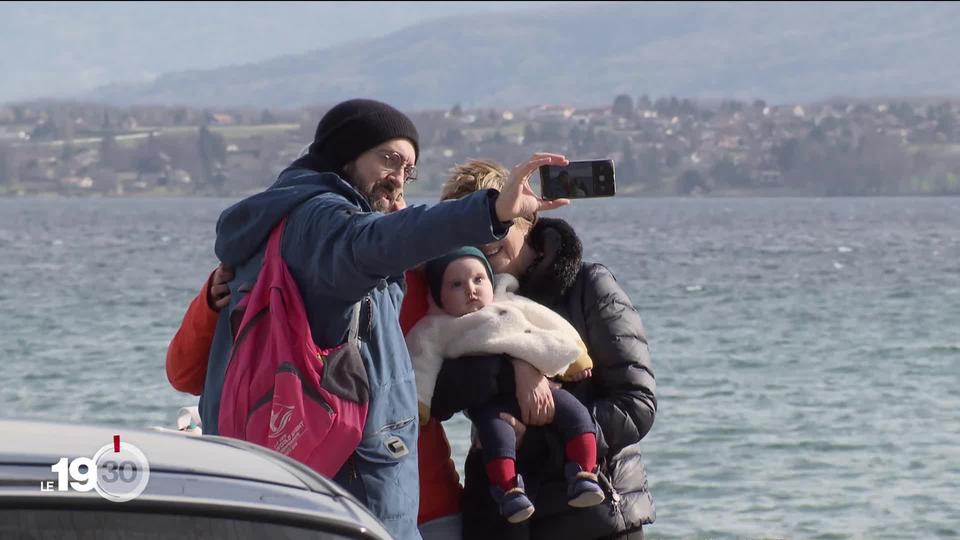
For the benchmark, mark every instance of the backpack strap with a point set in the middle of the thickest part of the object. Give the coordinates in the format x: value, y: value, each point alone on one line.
x: 273, y: 256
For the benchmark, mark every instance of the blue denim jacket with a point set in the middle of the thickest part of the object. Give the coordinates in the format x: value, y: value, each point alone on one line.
x: 340, y: 252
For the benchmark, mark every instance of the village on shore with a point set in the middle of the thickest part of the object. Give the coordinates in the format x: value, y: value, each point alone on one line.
x: 664, y: 146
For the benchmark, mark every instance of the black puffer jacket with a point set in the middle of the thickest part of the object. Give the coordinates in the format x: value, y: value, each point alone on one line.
x: 621, y: 396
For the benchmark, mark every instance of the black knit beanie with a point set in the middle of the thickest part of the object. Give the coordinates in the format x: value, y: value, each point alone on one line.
x: 352, y: 127
x: 436, y: 267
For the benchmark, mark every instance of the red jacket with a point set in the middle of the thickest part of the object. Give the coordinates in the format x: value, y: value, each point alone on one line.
x: 440, y: 488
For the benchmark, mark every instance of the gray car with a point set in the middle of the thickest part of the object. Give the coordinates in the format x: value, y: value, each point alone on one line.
x: 198, y: 487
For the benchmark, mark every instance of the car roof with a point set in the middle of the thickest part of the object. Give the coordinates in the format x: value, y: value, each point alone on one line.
x: 43, y: 442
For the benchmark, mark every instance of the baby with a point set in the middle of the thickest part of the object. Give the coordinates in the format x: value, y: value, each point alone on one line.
x: 468, y: 317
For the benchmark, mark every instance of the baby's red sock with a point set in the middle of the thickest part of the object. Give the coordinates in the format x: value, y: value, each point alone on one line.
x: 502, y: 473
x: 582, y: 450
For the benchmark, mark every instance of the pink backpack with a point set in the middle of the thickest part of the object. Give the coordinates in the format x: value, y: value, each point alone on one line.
x: 282, y: 391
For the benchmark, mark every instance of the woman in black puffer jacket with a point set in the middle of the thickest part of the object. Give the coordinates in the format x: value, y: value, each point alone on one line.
x: 621, y: 394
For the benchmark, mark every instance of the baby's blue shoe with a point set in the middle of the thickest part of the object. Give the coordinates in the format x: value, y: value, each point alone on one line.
x: 583, y: 489
x: 514, y: 504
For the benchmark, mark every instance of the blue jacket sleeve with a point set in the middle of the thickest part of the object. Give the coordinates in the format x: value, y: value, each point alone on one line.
x: 349, y: 251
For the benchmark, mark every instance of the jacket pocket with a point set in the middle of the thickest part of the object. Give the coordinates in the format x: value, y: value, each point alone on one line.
x: 386, y: 465
x: 390, y: 443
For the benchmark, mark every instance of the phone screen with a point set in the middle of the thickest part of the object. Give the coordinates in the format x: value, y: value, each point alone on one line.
x: 578, y: 180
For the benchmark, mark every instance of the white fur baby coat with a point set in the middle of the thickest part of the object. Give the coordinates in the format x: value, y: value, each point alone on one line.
x: 511, y: 324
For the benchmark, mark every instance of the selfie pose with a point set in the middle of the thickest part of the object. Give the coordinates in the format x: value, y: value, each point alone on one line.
x: 621, y: 396
x: 347, y: 258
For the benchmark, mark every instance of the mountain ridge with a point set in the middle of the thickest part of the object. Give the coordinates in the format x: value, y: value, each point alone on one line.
x: 583, y: 54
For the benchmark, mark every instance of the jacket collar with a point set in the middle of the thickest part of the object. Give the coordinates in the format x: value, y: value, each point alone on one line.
x: 560, y: 255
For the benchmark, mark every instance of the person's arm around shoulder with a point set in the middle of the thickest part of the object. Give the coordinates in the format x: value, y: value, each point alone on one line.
x: 190, y: 348
x: 626, y: 400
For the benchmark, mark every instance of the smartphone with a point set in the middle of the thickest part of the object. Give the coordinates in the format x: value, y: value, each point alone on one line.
x: 578, y: 180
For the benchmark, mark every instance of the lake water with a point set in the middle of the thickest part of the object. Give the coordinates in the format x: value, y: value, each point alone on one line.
x: 807, y: 351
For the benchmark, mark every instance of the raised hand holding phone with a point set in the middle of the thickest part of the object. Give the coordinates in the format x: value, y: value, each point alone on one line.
x: 517, y: 199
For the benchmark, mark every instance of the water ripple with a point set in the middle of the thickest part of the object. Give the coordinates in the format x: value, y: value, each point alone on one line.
x: 806, y: 350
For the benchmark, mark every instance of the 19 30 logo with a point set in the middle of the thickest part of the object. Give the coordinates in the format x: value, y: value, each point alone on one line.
x: 119, y: 472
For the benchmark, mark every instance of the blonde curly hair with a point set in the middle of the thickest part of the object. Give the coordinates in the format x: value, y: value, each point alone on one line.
x: 477, y: 174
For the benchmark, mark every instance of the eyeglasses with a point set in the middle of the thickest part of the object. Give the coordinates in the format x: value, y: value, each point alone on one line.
x: 393, y: 161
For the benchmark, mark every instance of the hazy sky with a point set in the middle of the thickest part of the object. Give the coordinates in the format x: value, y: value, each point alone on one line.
x: 56, y: 49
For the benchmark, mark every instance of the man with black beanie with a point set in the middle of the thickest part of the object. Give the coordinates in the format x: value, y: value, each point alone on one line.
x: 343, y: 251
x: 350, y: 129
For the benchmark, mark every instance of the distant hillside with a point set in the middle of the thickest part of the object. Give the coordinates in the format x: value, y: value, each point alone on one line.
x: 587, y: 53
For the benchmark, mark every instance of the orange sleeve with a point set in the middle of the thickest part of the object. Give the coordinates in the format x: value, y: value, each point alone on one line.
x: 190, y: 347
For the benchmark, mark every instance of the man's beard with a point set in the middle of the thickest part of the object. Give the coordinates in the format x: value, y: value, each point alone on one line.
x: 382, y: 198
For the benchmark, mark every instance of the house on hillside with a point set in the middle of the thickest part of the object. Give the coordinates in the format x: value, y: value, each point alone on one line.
x: 220, y: 119
x: 551, y: 112
x: 13, y: 136
x: 76, y: 184
x: 84, y: 158
x: 730, y: 142
x: 592, y: 115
